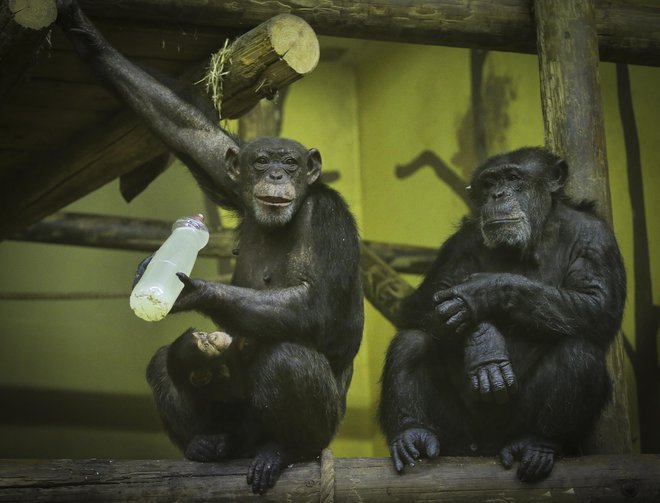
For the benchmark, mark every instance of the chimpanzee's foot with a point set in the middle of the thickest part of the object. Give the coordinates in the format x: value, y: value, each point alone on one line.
x: 536, y: 455
x: 207, y: 448
x: 266, y: 467
x: 212, y: 344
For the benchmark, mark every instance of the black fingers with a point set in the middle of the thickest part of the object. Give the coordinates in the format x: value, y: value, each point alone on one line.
x: 411, y: 445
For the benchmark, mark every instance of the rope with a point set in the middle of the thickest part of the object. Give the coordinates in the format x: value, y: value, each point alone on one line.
x: 327, y: 494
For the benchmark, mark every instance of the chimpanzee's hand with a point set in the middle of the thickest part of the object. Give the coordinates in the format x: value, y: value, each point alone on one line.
x: 536, y: 456
x: 487, y: 365
x: 142, y: 266
x: 463, y: 305
x: 411, y: 444
x: 193, y: 292
x: 67, y: 11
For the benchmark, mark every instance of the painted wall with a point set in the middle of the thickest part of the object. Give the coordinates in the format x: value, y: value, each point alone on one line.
x: 377, y: 107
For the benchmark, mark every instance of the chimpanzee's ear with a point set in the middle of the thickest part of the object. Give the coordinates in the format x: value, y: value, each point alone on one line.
x: 313, y: 165
x: 558, y: 175
x: 232, y: 164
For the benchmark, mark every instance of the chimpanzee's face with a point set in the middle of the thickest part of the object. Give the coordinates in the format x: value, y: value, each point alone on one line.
x: 514, y: 194
x: 274, y: 176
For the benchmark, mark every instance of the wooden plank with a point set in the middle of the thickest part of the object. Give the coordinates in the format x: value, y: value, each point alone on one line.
x: 627, y: 29
x: 590, y: 478
x: 574, y: 129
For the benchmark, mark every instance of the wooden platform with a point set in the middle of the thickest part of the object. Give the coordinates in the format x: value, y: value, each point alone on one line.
x: 589, y: 478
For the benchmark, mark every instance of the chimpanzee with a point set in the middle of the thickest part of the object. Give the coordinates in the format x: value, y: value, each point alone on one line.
x: 502, y: 347
x: 272, y: 382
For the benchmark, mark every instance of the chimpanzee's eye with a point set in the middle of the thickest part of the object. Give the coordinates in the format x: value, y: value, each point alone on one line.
x: 289, y: 160
x: 262, y: 159
x: 513, y: 177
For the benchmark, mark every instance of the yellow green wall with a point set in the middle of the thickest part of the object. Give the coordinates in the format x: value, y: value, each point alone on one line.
x: 375, y: 108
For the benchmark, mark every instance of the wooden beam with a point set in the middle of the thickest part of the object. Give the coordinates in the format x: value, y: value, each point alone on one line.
x: 23, y: 31
x: 627, y: 29
x: 382, y: 286
x: 574, y: 129
x: 590, y: 478
x: 125, y: 142
x: 117, y: 233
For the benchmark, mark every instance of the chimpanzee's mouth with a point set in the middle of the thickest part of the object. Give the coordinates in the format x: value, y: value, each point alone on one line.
x: 500, y: 221
x: 275, y: 200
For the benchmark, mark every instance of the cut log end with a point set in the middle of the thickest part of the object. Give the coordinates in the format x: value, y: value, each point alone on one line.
x: 33, y: 14
x: 295, y: 42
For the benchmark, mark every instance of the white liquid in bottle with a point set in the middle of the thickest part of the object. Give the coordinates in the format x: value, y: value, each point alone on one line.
x: 158, y: 288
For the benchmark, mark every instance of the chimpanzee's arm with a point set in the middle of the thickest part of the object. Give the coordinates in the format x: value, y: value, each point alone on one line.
x: 588, y: 304
x: 185, y: 129
x: 286, y: 313
x: 453, y: 264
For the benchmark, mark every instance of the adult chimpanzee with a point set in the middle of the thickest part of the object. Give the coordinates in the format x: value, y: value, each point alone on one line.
x: 294, y: 309
x: 502, y: 347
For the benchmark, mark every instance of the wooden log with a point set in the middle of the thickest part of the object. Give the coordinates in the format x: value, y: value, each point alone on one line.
x: 590, y: 478
x: 382, y: 286
x: 574, y: 129
x: 627, y: 29
x: 266, y: 59
x: 23, y: 31
x: 118, y: 233
x: 407, y: 259
x: 125, y: 142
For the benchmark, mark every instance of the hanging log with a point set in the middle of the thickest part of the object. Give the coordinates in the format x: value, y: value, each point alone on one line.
x: 23, y: 31
x: 590, y: 478
x: 574, y: 129
x: 266, y: 59
x: 627, y: 29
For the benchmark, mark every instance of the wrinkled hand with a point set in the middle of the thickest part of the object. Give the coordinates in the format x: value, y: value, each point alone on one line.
x: 463, y: 305
x: 411, y: 444
x: 536, y: 456
x: 487, y: 365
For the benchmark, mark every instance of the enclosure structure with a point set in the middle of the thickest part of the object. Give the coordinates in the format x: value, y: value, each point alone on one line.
x: 37, y: 184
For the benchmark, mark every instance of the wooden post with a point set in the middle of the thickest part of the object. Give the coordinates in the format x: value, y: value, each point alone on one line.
x: 23, y: 30
x: 574, y: 128
x: 589, y: 478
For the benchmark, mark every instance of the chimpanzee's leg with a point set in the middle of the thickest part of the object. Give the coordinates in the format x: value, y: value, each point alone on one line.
x: 557, y: 406
x: 421, y: 404
x: 297, y: 404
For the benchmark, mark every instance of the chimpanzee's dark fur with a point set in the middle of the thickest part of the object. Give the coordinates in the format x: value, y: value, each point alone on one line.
x: 294, y: 307
x: 503, y: 345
